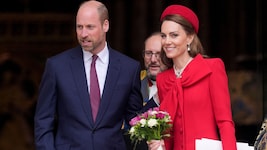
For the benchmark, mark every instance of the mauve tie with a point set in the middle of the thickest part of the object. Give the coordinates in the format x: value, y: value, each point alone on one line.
x: 94, y: 88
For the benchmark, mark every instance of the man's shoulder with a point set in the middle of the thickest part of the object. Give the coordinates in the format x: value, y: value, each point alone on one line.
x: 65, y: 56
x: 68, y: 52
x: 121, y: 56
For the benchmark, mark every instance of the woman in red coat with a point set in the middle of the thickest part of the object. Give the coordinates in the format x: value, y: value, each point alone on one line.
x: 194, y: 90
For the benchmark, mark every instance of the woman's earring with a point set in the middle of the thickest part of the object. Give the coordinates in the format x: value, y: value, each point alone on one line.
x: 188, y: 47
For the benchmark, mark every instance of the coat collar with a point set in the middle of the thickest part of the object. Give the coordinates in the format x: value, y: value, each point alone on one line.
x: 196, y: 70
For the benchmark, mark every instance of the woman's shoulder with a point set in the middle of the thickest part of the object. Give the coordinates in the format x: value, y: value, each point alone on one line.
x: 214, y: 61
x: 215, y: 64
x: 165, y: 74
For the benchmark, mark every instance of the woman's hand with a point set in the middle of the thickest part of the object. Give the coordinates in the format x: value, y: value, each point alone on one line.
x: 155, y: 144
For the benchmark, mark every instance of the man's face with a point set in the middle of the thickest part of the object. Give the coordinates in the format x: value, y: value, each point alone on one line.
x: 152, y: 59
x: 91, y: 33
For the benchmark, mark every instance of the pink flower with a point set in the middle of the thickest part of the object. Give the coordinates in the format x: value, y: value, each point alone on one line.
x: 145, y: 115
x: 135, y: 120
x: 160, y: 115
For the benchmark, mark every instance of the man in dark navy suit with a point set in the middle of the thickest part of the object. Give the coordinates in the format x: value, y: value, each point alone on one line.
x: 64, y: 113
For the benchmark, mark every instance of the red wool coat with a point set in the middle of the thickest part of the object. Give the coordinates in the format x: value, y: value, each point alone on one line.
x: 199, y: 104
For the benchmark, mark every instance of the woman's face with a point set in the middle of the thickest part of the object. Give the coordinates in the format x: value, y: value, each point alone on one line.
x: 174, y: 39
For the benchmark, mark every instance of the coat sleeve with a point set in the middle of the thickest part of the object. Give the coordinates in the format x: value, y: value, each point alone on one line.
x: 45, y: 111
x: 222, y: 105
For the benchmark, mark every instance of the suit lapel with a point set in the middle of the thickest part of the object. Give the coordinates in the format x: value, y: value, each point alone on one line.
x: 110, y: 83
x: 77, y: 66
x: 78, y: 70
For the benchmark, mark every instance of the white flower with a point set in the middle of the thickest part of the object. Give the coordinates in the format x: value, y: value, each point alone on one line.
x: 132, y: 130
x: 154, y: 112
x: 152, y: 122
x: 143, y: 122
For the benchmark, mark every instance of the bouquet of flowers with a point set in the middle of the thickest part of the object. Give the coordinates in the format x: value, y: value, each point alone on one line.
x: 151, y: 125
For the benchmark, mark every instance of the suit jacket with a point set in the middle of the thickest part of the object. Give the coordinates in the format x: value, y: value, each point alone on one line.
x: 148, y: 103
x: 198, y: 103
x: 63, y: 118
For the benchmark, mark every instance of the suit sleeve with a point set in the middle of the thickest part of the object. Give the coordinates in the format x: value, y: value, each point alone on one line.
x: 135, y: 103
x: 222, y: 104
x: 45, y: 111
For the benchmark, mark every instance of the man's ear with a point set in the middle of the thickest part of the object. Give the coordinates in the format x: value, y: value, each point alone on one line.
x: 106, y: 25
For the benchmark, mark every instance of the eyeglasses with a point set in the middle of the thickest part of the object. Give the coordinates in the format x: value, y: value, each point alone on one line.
x: 149, y: 54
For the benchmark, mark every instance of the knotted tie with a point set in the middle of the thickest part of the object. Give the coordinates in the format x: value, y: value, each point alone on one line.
x: 94, y: 88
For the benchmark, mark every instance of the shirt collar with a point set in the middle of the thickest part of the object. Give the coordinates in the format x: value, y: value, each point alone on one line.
x: 102, y: 55
x: 150, y: 82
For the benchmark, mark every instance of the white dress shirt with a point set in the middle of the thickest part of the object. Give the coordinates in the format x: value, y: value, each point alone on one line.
x: 101, y: 66
x: 153, y: 92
